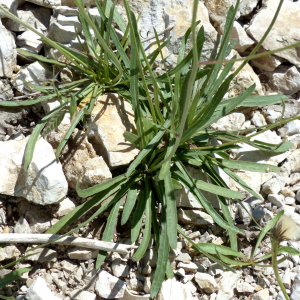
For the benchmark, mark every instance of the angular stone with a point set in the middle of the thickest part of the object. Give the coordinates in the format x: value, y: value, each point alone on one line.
x: 120, y: 268
x: 227, y: 284
x: 40, y: 291
x: 82, y: 254
x: 35, y: 73
x: 196, y: 217
x: 47, y: 3
x: 82, y: 295
x: 244, y: 287
x: 206, y: 282
x: 283, y: 33
x: 258, y: 119
x: 42, y: 255
x: 108, y: 286
x: 30, y: 41
x: 9, y: 252
x: 267, y: 63
x: 44, y: 182
x: 10, y: 5
x: 290, y: 128
x: 110, y: 118
x: 65, y: 207
x: 22, y: 226
x: 295, y: 295
x: 172, y: 289
x: 261, y: 295
x: 69, y: 266
x: 276, y: 199
x: 6, y: 92
x: 8, y: 53
x: 130, y: 296
x: 272, y: 186
x: 232, y: 121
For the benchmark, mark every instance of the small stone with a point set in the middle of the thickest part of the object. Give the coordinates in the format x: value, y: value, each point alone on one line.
x: 183, y: 257
x: 244, y: 287
x: 147, y: 284
x: 171, y: 289
x: 261, y: 295
x: 232, y: 121
x: 68, y: 266
x: 188, y: 267
x: 82, y: 295
x: 258, y: 119
x: 196, y: 217
x: 108, y: 286
x: 22, y: 226
x: 206, y: 282
x: 277, y: 200
x: 65, y: 207
x: 286, y: 279
x: 43, y: 255
x: 30, y: 41
x: 120, y: 268
x: 295, y: 295
x: 272, y: 186
x: 289, y: 200
x: 82, y: 254
x: 39, y: 290
x: 9, y: 252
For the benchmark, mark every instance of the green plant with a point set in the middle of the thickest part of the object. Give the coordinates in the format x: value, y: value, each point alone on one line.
x: 173, y: 110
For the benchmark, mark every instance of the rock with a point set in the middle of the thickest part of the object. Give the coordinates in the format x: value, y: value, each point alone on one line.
x: 289, y: 200
x: 82, y: 295
x: 245, y: 78
x: 272, y: 186
x: 295, y: 139
x: 42, y: 255
x: 298, y: 195
x: 245, y: 213
x: 120, y: 268
x: 286, y: 279
x: 232, y: 121
x: 258, y: 213
x: 68, y: 266
x: 44, y: 183
x: 290, y: 128
x: 206, y: 282
x: 171, y: 289
x: 111, y: 114
x: 183, y: 257
x: 82, y: 254
x: 196, y: 217
x: 258, y: 119
x: 37, y: 17
x: 295, y: 295
x: 40, y: 291
x: 218, y: 11
x: 95, y: 171
x: 35, y: 73
x: 22, y: 226
x: 184, y: 198
x: 150, y: 258
x: 10, y: 5
x: 283, y: 33
x: 130, y: 296
x: 48, y: 3
x: 6, y: 92
x: 243, y: 41
x: 8, y: 53
x: 277, y: 200
x: 134, y: 284
x: 261, y: 295
x: 267, y: 63
x: 9, y: 252
x: 30, y: 41
x: 147, y: 284
x: 108, y: 286
x: 285, y: 80
x: 292, y: 162
x: 227, y: 284
x: 244, y: 287
x: 188, y: 267
x: 65, y: 207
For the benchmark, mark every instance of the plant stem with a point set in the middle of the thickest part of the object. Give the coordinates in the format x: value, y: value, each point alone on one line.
x: 275, y: 244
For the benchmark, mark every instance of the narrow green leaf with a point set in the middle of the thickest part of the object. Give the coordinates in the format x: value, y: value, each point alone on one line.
x: 229, y: 261
x: 289, y: 250
x: 176, y: 184
x: 132, y: 138
x: 108, y: 232
x: 253, y: 101
x: 171, y: 211
x: 54, y: 122
x: 12, y: 276
x: 129, y: 204
x: 266, y: 229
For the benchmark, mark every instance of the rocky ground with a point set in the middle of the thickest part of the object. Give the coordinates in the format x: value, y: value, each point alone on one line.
x: 33, y: 202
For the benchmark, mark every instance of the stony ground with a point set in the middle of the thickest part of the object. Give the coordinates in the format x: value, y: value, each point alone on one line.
x: 94, y: 154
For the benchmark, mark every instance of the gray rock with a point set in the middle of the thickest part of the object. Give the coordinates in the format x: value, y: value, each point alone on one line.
x: 277, y: 200
x: 258, y: 213
x: 232, y: 121
x: 291, y: 128
x: 43, y: 255
x: 206, y: 282
x: 272, y: 186
x: 65, y: 207
x: 120, y: 268
x: 261, y: 295
x: 69, y: 266
x: 47, y: 3
x: 30, y: 41
x: 183, y: 257
x: 108, y: 286
x: 129, y: 296
x: 244, y: 287
x: 227, y: 284
x: 82, y: 254
x: 44, y: 182
x: 196, y: 217
x: 245, y: 213
x: 10, y: 5
x: 6, y: 92
x: 82, y: 295
x: 295, y: 295
x: 243, y: 41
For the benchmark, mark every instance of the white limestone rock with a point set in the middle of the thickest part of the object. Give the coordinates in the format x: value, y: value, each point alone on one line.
x: 108, y: 286
x: 35, y: 73
x: 196, y: 217
x: 227, y: 284
x: 261, y: 295
x: 30, y: 41
x: 82, y: 295
x: 283, y: 33
x: 43, y: 255
x: 206, y: 282
x: 232, y: 121
x: 285, y: 79
x: 44, y: 183
x: 290, y: 128
x: 82, y: 254
x: 46, y: 3
x: 266, y: 63
x: 22, y: 226
x: 120, y: 268
x: 110, y: 118
x: 277, y: 200
x: 272, y: 186
x: 244, y: 287
x: 258, y: 119
x: 10, y: 5
x: 295, y: 295
x: 6, y: 92
x: 9, y: 252
x: 65, y: 207
x: 8, y: 53
x: 40, y: 291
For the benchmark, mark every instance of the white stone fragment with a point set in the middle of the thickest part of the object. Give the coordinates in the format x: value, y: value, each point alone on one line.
x: 42, y: 255
x: 22, y: 226
x: 258, y: 119
x: 272, y: 186
x: 35, y: 73
x: 30, y: 41
x: 10, y: 5
x: 227, y: 284
x: 44, y: 182
x: 40, y: 291
x: 82, y: 254
x: 82, y: 295
x: 69, y: 266
x: 261, y: 295
x: 286, y: 279
x: 206, y: 282
x: 120, y: 268
x: 295, y: 295
x: 188, y: 267
x: 197, y: 217
x: 110, y: 118
x: 108, y: 286
x: 9, y: 252
x: 172, y: 289
x: 277, y: 200
x: 244, y: 287
x: 47, y: 3
x: 8, y: 53
x: 232, y: 121
x: 65, y: 207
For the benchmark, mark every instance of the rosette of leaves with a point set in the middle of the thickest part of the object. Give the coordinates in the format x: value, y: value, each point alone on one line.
x: 172, y: 115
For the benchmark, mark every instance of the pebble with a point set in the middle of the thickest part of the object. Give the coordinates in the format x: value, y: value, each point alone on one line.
x: 295, y: 295
x: 261, y: 295
x: 120, y: 268
x: 82, y: 254
x: 206, y: 282
x: 244, y: 287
